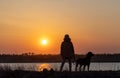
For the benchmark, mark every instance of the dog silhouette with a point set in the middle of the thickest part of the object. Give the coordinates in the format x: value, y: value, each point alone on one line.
x: 85, y: 62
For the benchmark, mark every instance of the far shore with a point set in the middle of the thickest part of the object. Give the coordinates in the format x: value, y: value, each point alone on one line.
x: 54, y: 58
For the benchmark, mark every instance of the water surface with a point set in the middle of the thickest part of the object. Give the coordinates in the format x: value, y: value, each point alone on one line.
x: 56, y: 66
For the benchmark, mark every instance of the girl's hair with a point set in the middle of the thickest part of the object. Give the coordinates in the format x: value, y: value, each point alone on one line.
x: 67, y: 38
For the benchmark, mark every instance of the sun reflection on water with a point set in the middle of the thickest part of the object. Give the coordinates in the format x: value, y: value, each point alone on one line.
x: 44, y: 66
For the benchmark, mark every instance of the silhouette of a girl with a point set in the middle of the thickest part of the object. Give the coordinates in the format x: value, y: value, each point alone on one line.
x: 67, y: 52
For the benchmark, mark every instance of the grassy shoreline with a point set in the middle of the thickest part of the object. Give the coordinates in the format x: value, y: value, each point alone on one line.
x: 56, y: 74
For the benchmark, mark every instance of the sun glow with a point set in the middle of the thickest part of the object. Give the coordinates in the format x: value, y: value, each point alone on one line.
x: 44, y: 66
x: 44, y: 42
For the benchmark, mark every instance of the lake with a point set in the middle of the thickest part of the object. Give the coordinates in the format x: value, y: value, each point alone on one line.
x: 39, y: 66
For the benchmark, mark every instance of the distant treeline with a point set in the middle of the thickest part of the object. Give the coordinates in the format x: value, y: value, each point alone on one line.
x: 32, y: 58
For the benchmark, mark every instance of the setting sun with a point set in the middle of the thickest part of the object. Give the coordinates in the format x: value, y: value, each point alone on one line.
x: 44, y: 42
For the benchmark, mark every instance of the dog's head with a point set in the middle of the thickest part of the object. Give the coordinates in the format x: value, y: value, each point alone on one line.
x: 90, y: 54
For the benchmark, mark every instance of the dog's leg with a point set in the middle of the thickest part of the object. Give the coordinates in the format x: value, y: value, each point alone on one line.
x: 84, y: 67
x: 76, y: 66
x: 80, y: 67
x: 88, y: 67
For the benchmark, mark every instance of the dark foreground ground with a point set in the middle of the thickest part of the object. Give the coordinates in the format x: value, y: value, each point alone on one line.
x: 54, y: 74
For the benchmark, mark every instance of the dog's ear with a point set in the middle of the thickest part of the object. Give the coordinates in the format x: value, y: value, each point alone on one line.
x: 90, y: 53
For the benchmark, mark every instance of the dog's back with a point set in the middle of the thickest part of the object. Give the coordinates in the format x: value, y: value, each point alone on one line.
x: 84, y: 61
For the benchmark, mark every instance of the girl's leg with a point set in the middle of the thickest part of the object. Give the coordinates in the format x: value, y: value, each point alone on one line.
x: 63, y: 62
x: 70, y: 64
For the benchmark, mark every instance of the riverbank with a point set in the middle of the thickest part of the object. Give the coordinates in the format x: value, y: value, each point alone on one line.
x: 55, y: 74
x: 26, y: 58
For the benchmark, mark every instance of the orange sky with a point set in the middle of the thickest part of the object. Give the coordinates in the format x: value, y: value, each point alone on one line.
x: 93, y: 25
